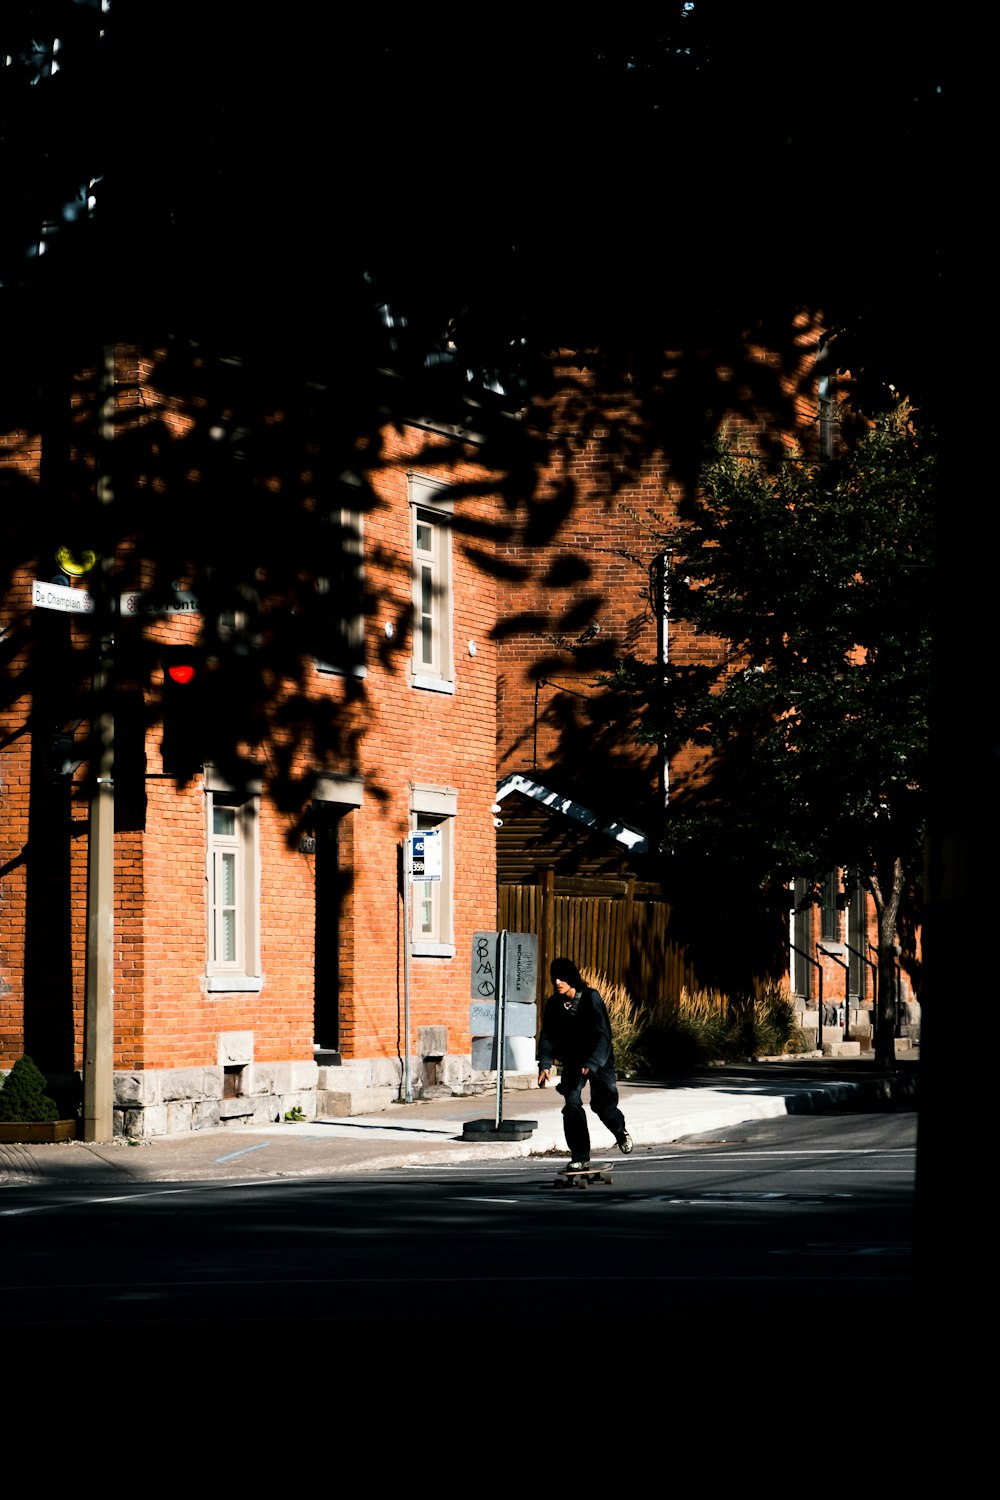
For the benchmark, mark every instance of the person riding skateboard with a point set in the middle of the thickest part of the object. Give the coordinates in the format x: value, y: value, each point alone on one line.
x: 576, y: 1029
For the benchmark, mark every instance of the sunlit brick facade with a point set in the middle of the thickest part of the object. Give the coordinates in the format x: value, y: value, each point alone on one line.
x: 258, y: 939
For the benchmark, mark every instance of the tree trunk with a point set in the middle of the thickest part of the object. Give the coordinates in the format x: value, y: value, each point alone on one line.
x: 886, y: 885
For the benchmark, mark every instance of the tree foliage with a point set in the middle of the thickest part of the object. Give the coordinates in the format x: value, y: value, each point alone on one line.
x: 810, y: 587
x: 285, y: 209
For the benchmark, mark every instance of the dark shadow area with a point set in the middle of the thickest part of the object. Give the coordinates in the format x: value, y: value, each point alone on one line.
x: 573, y: 252
x: 355, y: 1251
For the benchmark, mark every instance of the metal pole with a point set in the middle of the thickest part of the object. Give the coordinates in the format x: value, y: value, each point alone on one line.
x: 501, y: 1019
x: 407, y: 1076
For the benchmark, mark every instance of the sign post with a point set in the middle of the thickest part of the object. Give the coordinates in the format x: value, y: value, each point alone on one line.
x: 501, y: 1024
x: 421, y: 862
x: 503, y: 1004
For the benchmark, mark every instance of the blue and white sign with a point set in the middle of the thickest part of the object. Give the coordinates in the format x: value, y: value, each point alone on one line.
x: 424, y: 850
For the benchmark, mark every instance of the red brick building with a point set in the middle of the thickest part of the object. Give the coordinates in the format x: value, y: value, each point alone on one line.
x: 258, y: 942
x: 580, y: 797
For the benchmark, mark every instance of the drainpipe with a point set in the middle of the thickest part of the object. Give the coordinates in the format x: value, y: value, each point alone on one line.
x: 661, y: 595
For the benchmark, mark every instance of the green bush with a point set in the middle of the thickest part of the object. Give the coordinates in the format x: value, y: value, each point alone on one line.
x: 626, y: 1023
x: 708, y: 1026
x: 23, y: 1097
x: 770, y: 1025
x: 688, y: 1033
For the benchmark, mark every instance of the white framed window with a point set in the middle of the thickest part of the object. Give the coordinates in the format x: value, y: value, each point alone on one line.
x: 340, y: 614
x: 432, y: 902
x: 233, y: 890
x: 801, y: 951
x: 831, y: 928
x: 430, y: 524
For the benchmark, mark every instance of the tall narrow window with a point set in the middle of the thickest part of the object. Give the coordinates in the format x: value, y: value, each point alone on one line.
x: 857, y: 939
x: 830, y: 909
x: 339, y: 612
x: 233, y: 888
x: 433, y: 809
x: 225, y: 928
x: 432, y: 604
x: 801, y: 925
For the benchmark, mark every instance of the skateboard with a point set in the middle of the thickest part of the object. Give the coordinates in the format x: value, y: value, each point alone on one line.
x: 580, y: 1179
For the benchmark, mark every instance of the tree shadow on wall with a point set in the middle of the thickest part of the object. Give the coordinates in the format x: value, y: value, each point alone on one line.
x: 296, y: 284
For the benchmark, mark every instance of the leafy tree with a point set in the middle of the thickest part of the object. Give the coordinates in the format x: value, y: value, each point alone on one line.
x: 287, y: 213
x: 809, y: 584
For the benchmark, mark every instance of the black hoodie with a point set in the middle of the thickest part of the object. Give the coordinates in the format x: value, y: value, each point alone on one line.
x: 577, y: 1032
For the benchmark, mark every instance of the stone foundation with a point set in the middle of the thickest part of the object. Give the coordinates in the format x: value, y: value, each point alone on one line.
x: 173, y: 1101
x: 364, y: 1086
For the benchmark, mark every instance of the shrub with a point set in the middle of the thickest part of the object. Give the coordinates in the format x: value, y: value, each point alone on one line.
x: 698, y: 1028
x: 708, y: 1026
x: 626, y: 1023
x: 765, y: 1025
x: 688, y: 1032
x: 23, y: 1097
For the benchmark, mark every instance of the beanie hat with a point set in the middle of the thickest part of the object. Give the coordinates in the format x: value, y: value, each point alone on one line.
x: 566, y: 969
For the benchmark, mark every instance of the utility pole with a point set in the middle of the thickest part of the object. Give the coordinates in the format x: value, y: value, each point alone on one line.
x: 98, y: 1014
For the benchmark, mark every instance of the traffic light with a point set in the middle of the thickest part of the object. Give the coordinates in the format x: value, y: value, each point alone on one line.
x: 183, y: 701
x: 66, y: 754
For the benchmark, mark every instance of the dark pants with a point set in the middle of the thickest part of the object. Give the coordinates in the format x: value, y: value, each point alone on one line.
x: 603, y: 1101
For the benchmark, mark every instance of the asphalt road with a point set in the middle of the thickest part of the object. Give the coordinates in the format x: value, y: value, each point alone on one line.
x: 786, y: 1218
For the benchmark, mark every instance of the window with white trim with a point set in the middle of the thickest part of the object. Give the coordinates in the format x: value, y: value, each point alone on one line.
x: 233, y: 884
x: 340, y: 600
x: 830, y: 907
x: 431, y: 513
x: 801, y: 939
x: 432, y: 901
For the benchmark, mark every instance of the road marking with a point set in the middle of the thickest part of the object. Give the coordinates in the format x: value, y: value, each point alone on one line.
x: 245, y: 1152
x: 159, y: 1192
x: 626, y: 1279
x: 895, y: 1249
x: 812, y: 1151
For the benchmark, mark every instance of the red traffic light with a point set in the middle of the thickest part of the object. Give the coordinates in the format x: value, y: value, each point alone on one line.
x: 182, y: 673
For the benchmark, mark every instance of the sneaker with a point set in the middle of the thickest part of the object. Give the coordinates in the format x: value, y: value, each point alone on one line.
x: 624, y: 1143
x: 578, y: 1166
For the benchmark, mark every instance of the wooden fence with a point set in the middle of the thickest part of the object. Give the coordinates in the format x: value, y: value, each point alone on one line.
x: 604, y: 926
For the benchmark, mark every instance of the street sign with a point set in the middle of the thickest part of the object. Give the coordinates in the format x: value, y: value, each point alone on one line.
x: 58, y: 596
x: 424, y: 854
x: 484, y: 965
x: 519, y: 1020
x: 182, y: 603
x: 503, y: 1016
x: 521, y: 967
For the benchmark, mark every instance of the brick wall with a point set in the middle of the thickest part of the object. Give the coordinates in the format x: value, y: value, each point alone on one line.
x: 393, y: 734
x: 428, y: 738
x: 586, y: 595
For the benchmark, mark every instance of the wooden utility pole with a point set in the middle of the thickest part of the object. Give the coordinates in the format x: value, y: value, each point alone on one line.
x: 98, y: 1014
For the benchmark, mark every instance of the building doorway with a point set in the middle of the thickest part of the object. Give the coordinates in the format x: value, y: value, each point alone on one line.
x: 330, y: 885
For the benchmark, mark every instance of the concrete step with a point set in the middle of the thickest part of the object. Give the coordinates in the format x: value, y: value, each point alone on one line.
x: 335, y: 1104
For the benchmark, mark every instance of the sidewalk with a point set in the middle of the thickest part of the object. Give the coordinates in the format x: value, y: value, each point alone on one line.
x: 429, y: 1133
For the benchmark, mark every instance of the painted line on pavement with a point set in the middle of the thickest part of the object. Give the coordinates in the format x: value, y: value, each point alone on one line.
x: 245, y: 1152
